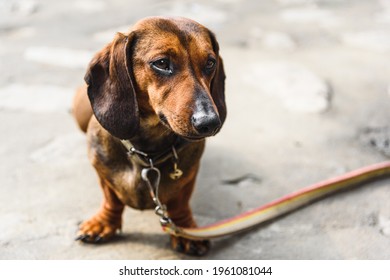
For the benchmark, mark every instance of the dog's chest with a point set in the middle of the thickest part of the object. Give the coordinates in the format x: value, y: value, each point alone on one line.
x: 133, y: 191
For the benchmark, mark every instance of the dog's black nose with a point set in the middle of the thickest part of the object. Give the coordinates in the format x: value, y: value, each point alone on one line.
x: 206, y: 124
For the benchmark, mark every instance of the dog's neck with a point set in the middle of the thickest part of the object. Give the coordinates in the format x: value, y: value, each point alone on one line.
x: 153, y: 137
x: 154, y: 144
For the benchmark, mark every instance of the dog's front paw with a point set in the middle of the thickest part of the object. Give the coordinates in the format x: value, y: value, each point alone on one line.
x: 97, y: 230
x: 190, y: 247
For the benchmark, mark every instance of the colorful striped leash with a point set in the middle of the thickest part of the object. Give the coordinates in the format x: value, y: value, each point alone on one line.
x: 270, y: 210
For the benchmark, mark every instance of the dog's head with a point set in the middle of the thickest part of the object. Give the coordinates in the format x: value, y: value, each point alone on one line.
x: 167, y: 70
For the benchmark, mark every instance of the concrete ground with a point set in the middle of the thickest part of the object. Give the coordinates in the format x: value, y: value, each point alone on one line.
x: 308, y: 99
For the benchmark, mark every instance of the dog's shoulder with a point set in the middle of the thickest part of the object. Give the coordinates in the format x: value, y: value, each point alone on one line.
x: 104, y: 149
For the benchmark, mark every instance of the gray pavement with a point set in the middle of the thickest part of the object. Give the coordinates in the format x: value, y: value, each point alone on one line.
x: 308, y: 99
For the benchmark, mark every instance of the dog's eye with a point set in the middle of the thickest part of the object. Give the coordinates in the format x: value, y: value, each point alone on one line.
x: 162, y: 65
x: 210, y: 64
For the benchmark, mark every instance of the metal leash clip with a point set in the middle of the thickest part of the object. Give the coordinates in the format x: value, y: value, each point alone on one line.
x: 153, y: 185
x: 162, y: 212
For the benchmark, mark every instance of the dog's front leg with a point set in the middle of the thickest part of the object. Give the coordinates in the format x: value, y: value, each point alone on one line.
x: 180, y: 212
x: 104, y: 224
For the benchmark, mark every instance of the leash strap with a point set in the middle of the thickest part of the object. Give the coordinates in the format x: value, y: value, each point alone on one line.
x: 280, y: 206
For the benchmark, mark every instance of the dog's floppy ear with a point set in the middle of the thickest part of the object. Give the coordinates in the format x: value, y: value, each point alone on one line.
x: 218, y: 82
x: 111, y: 90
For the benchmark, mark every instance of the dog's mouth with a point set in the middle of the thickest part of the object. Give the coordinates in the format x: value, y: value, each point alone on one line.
x: 164, y: 120
x: 191, y: 138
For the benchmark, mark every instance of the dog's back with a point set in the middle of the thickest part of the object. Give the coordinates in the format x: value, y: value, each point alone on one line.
x: 81, y: 109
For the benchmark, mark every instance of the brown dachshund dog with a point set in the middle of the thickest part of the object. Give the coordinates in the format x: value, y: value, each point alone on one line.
x: 161, y: 87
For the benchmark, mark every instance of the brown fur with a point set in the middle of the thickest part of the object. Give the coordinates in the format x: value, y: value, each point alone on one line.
x: 81, y: 108
x: 131, y: 100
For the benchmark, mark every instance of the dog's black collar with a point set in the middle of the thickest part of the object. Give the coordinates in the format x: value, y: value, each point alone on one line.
x: 150, y: 159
